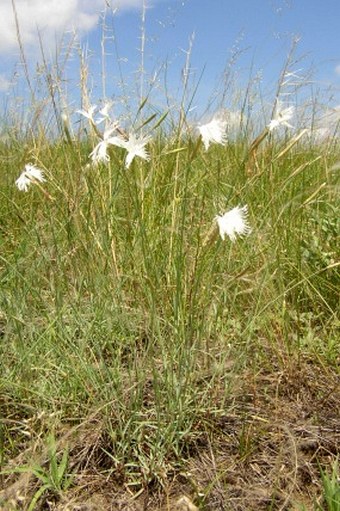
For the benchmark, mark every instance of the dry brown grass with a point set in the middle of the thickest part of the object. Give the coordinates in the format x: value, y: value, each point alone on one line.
x: 264, y: 452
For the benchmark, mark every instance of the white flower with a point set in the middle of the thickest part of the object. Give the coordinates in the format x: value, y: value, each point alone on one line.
x: 99, y: 153
x: 105, y: 112
x: 233, y: 222
x: 30, y: 175
x: 134, y: 147
x: 281, y: 117
x: 213, y: 132
x: 88, y: 113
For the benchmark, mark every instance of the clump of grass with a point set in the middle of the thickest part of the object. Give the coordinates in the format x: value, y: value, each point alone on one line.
x: 119, y: 299
x: 331, y: 488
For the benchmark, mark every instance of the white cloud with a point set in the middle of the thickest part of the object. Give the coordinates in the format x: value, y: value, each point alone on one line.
x: 51, y: 17
x: 337, y: 69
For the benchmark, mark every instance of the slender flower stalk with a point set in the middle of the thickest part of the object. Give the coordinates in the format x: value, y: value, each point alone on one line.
x: 213, y: 132
x: 30, y: 175
x: 233, y: 223
x: 281, y: 118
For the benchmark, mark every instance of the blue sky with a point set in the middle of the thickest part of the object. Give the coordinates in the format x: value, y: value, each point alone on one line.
x: 259, y: 32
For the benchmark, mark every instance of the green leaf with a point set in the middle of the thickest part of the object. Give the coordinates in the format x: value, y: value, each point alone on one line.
x: 63, y: 465
x: 178, y: 150
x: 142, y: 105
x: 37, y: 496
x: 149, y: 119
x: 160, y: 120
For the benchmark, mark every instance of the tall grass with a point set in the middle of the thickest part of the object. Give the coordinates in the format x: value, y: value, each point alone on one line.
x: 119, y: 300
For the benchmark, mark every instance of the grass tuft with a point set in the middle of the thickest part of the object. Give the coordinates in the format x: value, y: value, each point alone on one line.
x: 143, y: 357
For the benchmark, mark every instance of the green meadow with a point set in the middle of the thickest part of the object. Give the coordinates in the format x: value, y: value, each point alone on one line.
x: 145, y: 362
